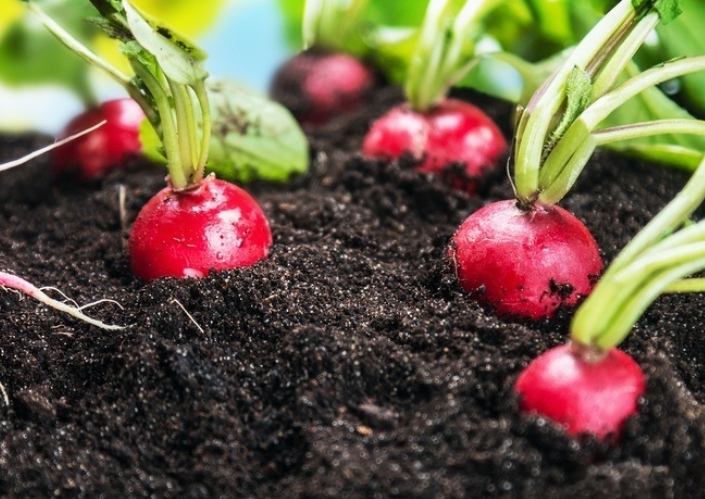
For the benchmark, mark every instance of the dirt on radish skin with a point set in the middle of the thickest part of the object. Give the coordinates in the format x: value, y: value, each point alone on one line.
x: 111, y: 146
x: 347, y: 364
x: 525, y: 262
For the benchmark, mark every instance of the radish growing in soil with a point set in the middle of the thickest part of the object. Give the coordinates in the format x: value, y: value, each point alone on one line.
x: 92, y: 156
x: 447, y: 137
x: 588, y: 385
x: 195, y: 224
x: 323, y: 81
x: 555, y: 136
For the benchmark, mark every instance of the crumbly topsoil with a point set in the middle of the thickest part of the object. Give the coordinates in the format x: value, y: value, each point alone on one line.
x: 348, y: 364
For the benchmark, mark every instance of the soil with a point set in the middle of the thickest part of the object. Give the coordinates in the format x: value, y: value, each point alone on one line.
x: 348, y: 364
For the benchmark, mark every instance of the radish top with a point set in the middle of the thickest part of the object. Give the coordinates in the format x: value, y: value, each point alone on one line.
x: 169, y: 82
x: 556, y: 131
x: 443, y: 55
x: 657, y: 260
x: 328, y: 23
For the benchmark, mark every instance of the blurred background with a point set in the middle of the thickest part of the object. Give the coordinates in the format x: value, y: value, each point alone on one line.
x: 245, y: 40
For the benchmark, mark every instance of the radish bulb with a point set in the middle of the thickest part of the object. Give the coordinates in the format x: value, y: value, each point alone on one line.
x: 525, y: 263
x: 584, y: 391
x: 328, y: 79
x: 448, y: 138
x: 93, y: 156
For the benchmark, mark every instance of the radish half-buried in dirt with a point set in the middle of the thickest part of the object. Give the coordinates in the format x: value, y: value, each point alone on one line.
x: 556, y: 135
x: 194, y: 225
x: 324, y: 81
x: 92, y: 156
x: 446, y: 137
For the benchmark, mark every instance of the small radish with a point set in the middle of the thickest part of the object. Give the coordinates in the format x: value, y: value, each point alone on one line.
x: 525, y: 263
x: 94, y: 155
x: 450, y: 133
x: 583, y: 391
x: 168, y: 236
x: 325, y: 81
x: 446, y: 137
x: 528, y: 261
x: 319, y: 86
x: 195, y: 224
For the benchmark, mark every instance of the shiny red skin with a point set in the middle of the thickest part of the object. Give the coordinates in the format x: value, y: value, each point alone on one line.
x: 93, y: 155
x: 213, y: 226
x: 525, y: 263
x: 319, y: 86
x: 584, y: 395
x: 451, y: 133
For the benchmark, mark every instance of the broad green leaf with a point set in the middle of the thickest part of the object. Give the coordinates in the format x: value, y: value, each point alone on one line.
x: 253, y: 137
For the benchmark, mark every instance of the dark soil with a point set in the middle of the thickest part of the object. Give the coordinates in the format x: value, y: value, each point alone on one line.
x: 348, y: 364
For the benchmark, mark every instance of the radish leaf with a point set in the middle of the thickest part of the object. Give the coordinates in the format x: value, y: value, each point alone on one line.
x: 253, y: 137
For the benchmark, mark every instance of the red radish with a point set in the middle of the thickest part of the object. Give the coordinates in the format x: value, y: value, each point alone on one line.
x: 525, y: 263
x: 584, y: 394
x: 447, y: 137
x: 92, y: 156
x: 319, y: 86
x: 450, y: 133
x: 195, y: 224
x: 213, y: 226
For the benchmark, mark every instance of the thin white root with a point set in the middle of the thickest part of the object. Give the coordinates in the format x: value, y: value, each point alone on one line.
x: 75, y: 305
x: 39, y: 152
x: 174, y: 300
x: 5, y: 398
x: 17, y: 283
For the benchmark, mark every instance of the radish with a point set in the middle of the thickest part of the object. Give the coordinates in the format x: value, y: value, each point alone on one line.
x: 503, y: 243
x: 94, y: 155
x: 588, y: 385
x: 196, y: 224
x: 446, y: 137
x: 324, y: 82
x: 586, y: 395
x: 317, y: 86
x: 555, y: 136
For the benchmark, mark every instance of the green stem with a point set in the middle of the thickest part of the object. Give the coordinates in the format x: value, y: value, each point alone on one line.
x: 539, y: 114
x: 564, y: 181
x: 169, y: 133
x: 206, y: 124
x: 651, y: 261
x: 690, y: 285
x: 185, y: 126
x: 638, y: 130
x: 603, y: 106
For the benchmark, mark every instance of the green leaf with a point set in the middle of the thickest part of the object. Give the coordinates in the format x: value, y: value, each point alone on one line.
x: 180, y: 60
x: 253, y: 137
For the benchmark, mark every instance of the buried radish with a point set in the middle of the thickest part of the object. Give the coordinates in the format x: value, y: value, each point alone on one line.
x: 196, y: 224
x: 588, y: 385
x: 556, y: 135
x: 446, y: 137
x: 324, y: 82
